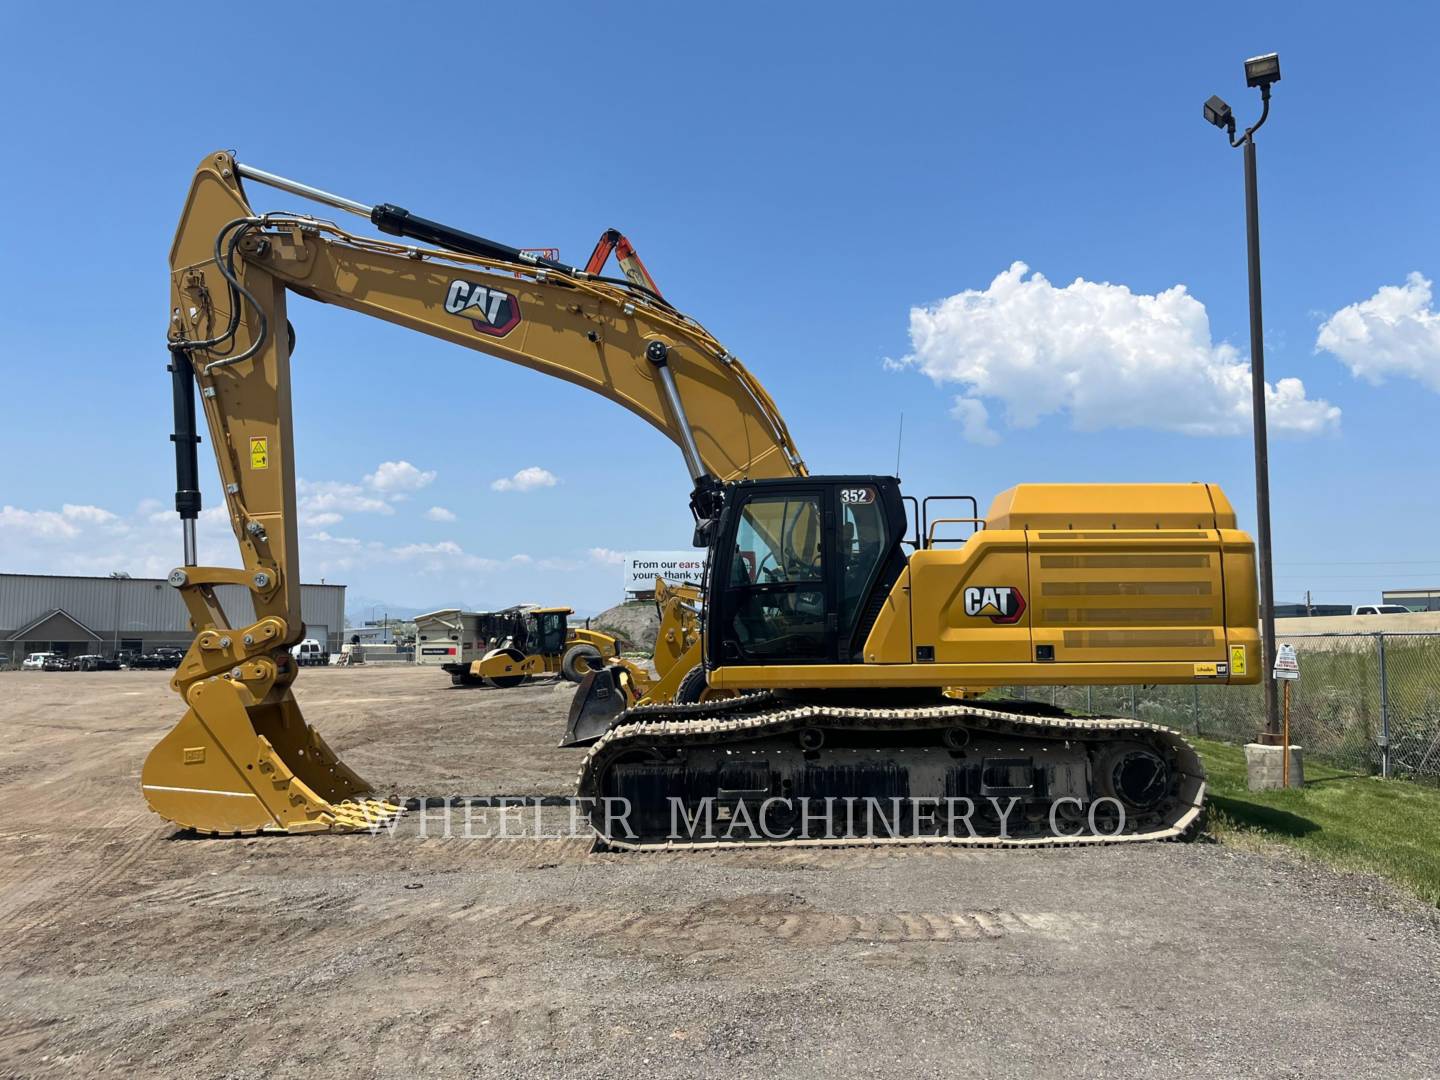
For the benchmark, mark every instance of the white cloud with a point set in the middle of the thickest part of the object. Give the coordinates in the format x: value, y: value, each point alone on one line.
x: 606, y: 556
x: 974, y: 421
x: 392, y: 477
x: 446, y: 556
x: 325, y: 538
x: 439, y: 513
x: 338, y: 497
x: 1109, y: 357
x: 75, y: 539
x: 91, y: 515
x: 66, y: 523
x: 325, y: 502
x: 145, y: 542
x: 1395, y: 332
x: 35, y: 522
x: 526, y: 480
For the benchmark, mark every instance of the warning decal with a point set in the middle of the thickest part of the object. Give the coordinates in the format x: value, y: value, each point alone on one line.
x: 259, y: 452
x: 1237, y: 660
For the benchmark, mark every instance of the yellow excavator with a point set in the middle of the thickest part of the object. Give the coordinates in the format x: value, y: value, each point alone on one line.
x: 837, y: 648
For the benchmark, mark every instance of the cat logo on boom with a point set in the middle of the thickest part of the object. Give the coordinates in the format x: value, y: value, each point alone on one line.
x: 490, y: 310
x: 1003, y: 603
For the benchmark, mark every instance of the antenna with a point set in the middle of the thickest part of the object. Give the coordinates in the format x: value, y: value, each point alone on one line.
x: 899, y: 441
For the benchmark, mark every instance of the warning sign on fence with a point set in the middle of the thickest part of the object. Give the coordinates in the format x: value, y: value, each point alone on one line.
x: 1287, y: 664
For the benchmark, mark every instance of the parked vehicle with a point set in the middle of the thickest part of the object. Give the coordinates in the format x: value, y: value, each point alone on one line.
x: 165, y: 656
x: 96, y: 662
x: 35, y: 661
x: 310, y: 653
x: 1381, y: 609
x: 56, y: 662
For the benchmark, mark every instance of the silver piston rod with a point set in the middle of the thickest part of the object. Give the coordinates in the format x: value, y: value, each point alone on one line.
x: 305, y: 191
x: 658, y: 353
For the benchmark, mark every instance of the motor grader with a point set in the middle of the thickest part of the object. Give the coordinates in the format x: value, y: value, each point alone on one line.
x: 842, y: 641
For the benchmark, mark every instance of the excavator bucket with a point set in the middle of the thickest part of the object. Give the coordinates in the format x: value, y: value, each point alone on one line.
x: 235, y: 765
x: 598, y: 700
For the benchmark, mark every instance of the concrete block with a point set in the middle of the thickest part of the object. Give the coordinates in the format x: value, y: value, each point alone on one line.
x: 1264, y: 766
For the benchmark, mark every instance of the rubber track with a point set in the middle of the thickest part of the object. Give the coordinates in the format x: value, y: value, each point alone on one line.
x: 762, y: 715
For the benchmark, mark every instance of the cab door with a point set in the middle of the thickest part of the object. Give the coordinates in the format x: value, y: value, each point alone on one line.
x: 550, y: 637
x: 773, y: 601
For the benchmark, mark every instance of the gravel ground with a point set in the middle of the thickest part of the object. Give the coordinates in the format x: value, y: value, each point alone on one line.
x: 127, y: 948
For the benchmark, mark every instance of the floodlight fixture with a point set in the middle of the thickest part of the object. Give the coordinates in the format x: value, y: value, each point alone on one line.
x: 1261, y: 71
x: 1219, y: 113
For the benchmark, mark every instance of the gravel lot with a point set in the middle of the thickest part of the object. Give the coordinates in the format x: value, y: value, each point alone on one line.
x: 127, y: 948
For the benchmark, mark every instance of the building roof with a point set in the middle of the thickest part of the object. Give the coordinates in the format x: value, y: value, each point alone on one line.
x: 117, y: 607
x: 151, y: 580
x: 60, y: 618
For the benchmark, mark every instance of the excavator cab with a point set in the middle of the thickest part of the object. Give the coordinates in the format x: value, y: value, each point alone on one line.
x: 799, y: 567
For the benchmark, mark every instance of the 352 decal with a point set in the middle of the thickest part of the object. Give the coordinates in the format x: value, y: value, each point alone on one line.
x: 1002, y: 603
x: 490, y: 310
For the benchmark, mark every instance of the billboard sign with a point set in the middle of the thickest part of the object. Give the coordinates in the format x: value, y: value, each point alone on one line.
x: 641, y: 568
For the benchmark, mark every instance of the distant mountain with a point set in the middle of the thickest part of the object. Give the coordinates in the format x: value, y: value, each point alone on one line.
x: 360, y: 610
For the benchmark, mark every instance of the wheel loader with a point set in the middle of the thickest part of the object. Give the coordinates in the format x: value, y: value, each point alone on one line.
x: 535, y: 641
x: 844, y: 631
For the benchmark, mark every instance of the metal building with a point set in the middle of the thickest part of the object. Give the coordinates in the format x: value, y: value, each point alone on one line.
x: 77, y: 615
x: 1414, y: 599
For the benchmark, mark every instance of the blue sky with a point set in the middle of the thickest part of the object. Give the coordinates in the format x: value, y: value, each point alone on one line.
x: 818, y: 184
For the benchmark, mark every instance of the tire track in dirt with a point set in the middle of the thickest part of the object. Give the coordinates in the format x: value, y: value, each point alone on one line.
x: 712, y: 923
x: 92, y: 885
x: 20, y: 1039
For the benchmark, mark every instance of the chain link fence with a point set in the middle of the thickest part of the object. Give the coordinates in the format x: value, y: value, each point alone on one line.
x: 1365, y: 702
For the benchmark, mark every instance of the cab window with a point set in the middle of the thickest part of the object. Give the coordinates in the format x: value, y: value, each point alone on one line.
x: 777, y: 580
x: 862, y: 546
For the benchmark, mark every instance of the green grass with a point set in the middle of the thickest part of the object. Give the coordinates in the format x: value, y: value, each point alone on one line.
x: 1387, y: 827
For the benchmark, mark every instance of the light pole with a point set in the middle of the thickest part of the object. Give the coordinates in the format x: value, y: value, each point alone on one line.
x: 1261, y: 71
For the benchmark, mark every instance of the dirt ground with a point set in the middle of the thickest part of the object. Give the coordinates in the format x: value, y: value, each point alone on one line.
x: 129, y: 949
